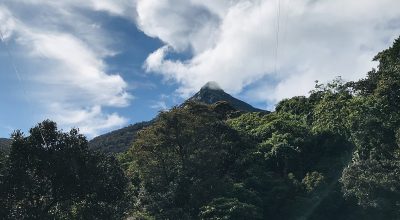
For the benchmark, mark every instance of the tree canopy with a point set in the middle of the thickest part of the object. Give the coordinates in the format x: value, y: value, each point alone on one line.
x: 52, y: 175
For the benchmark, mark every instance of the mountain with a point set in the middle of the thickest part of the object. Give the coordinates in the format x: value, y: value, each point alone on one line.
x: 5, y: 144
x: 120, y: 140
x: 211, y: 93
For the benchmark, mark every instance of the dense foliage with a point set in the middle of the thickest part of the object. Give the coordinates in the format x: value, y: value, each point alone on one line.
x: 52, y: 175
x: 332, y: 155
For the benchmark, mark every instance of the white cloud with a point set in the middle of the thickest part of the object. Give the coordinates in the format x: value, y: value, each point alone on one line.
x: 178, y: 23
x: 116, y: 7
x: 71, y: 80
x: 159, y: 105
x: 77, y: 67
x: 89, y: 120
x: 234, y: 42
x: 8, y: 23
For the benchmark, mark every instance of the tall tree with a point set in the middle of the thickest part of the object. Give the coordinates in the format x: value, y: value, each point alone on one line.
x: 184, y: 160
x: 52, y: 175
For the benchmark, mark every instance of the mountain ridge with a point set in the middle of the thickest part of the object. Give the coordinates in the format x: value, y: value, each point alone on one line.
x: 121, y: 139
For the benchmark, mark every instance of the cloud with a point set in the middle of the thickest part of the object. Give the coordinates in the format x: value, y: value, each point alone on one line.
x: 233, y: 42
x: 273, y: 49
x: 89, y: 120
x: 183, y: 23
x: 66, y: 53
x: 115, y: 7
x: 159, y: 105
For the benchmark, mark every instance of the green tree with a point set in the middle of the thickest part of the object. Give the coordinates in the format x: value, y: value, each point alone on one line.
x: 184, y: 160
x: 229, y: 208
x: 372, y: 176
x: 52, y: 175
x: 375, y: 184
x: 313, y: 181
x: 331, y: 111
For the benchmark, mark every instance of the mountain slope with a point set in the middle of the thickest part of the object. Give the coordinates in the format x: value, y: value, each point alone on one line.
x: 211, y: 93
x: 5, y: 144
x: 120, y: 140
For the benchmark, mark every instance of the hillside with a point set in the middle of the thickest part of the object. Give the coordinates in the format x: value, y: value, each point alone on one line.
x: 5, y: 144
x: 120, y: 140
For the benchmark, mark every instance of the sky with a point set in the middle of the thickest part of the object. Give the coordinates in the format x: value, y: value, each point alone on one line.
x: 99, y: 65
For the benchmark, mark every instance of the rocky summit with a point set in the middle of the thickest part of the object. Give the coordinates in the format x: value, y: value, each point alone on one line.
x: 211, y: 93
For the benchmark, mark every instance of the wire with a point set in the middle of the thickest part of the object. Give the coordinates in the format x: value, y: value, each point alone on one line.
x: 2, y: 38
x: 277, y: 37
x: 285, y: 29
x: 10, y: 56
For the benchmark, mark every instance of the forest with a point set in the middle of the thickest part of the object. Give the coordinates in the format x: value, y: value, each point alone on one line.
x: 334, y: 154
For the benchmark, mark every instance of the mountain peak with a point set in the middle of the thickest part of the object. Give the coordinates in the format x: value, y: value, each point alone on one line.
x: 211, y: 93
x: 211, y: 85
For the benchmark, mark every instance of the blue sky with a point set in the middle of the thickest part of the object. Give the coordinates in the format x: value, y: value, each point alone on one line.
x: 103, y: 64
x: 21, y: 109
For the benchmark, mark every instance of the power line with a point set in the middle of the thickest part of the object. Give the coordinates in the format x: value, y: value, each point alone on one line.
x: 11, y: 57
x: 277, y: 36
x: 285, y: 27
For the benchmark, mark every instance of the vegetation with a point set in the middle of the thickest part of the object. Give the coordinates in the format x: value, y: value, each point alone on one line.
x: 332, y: 155
x: 119, y: 140
x: 5, y: 145
x: 52, y: 175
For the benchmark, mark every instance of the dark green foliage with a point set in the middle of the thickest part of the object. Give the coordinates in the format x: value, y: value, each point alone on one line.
x: 60, y: 178
x: 228, y: 208
x: 312, y: 181
x: 372, y: 176
x: 374, y: 183
x: 184, y: 160
x: 303, y: 164
x: 299, y: 105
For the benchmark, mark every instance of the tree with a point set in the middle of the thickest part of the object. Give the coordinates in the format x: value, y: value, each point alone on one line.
x: 229, y: 208
x: 375, y: 184
x: 52, y: 175
x: 331, y: 111
x: 372, y: 176
x: 184, y: 160
x: 313, y: 181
